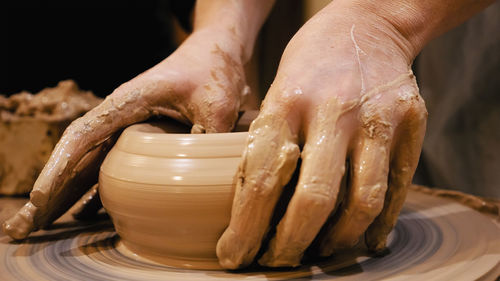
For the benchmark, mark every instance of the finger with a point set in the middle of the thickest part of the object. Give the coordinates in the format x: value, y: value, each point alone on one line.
x: 80, y: 179
x: 215, y: 106
x: 21, y: 224
x: 268, y: 163
x: 407, y: 147
x: 217, y: 102
x: 323, y: 165
x: 214, y: 116
x: 128, y: 104
x: 89, y: 205
x: 365, y: 195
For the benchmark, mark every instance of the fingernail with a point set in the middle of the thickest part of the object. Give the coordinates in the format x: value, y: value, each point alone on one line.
x: 226, y: 259
x: 21, y: 224
x: 197, y: 129
x: 376, y: 245
x: 376, y: 240
x: 231, y: 254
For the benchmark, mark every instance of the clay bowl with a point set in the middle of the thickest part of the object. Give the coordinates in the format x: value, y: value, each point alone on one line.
x: 169, y: 193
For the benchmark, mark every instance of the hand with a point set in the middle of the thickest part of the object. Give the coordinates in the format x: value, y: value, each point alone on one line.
x: 202, y: 83
x: 344, y: 91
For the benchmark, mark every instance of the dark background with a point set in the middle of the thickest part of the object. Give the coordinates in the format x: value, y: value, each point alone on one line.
x: 102, y: 44
x: 99, y: 44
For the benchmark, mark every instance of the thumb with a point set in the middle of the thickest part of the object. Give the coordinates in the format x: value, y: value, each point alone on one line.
x: 216, y: 112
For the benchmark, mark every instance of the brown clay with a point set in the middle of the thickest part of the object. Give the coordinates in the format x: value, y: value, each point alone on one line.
x: 30, y: 126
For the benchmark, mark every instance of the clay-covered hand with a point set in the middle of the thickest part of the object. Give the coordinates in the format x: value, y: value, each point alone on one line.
x: 201, y: 83
x: 344, y: 91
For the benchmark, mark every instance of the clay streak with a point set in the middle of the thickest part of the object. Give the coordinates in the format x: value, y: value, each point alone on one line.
x: 358, y: 51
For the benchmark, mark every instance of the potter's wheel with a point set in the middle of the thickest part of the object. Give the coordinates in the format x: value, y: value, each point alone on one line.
x: 435, y: 239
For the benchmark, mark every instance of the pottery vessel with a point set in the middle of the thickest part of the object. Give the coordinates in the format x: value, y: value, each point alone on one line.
x: 169, y: 193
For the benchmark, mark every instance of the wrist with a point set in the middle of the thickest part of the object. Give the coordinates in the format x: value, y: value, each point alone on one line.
x: 417, y: 22
x: 223, y: 38
x: 239, y: 21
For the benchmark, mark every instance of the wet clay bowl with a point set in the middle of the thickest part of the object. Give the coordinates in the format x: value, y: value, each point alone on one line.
x: 169, y: 193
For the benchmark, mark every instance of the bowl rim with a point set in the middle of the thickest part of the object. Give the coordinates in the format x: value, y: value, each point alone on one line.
x: 147, y: 139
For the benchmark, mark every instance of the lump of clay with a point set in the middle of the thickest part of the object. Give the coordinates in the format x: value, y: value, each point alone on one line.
x: 30, y: 126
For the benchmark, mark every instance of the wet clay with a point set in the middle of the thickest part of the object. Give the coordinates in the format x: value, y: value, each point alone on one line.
x: 216, y: 109
x: 269, y: 159
x: 316, y: 192
x: 30, y: 126
x: 368, y: 149
x: 169, y: 193
x: 357, y: 129
x: 72, y: 168
x: 484, y: 205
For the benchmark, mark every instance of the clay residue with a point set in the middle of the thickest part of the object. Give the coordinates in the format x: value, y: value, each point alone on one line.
x: 24, y: 222
x: 217, y: 110
x: 63, y: 102
x: 268, y: 163
x: 317, y: 190
x: 30, y: 126
x: 483, y: 205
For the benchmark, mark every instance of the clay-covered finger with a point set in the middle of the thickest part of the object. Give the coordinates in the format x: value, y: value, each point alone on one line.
x: 268, y: 163
x: 216, y: 112
x: 89, y: 205
x: 21, y: 224
x: 323, y: 166
x: 84, y: 134
x: 406, y: 152
x: 82, y: 177
x: 56, y: 188
x: 365, y: 194
x: 215, y: 105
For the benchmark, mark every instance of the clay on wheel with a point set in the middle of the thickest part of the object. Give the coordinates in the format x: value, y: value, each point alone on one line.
x: 169, y: 193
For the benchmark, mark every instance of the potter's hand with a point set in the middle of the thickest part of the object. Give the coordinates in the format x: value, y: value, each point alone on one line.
x: 345, y: 90
x: 201, y: 83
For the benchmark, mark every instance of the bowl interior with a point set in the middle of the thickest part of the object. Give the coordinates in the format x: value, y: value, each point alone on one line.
x: 172, y: 126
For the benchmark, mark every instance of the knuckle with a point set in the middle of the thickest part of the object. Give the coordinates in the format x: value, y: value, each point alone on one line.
x: 376, y: 120
x: 420, y: 110
x: 412, y: 104
x: 415, y: 115
x: 369, y: 200
x: 261, y: 183
x: 218, y: 113
x: 223, y: 111
x: 374, y: 125
x: 316, y: 195
x: 282, y: 101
